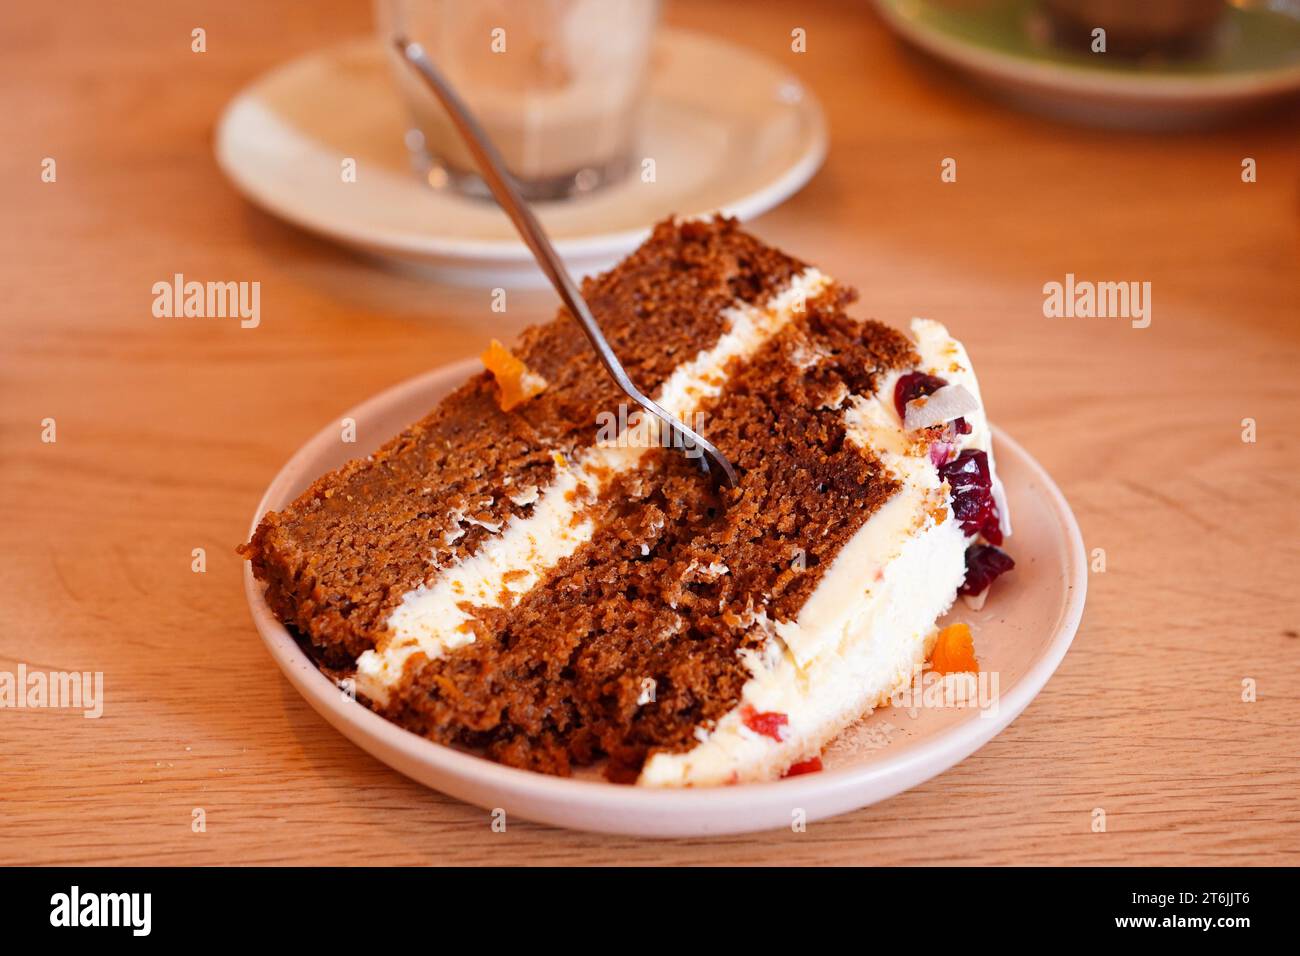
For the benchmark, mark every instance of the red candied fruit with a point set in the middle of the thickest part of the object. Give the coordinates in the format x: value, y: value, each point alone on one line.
x: 914, y: 385
x: 811, y: 765
x: 769, y: 723
x: 972, y: 494
x: 984, y: 564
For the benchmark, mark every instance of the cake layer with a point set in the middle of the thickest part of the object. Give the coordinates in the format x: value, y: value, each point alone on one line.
x: 436, y: 617
x: 340, y: 558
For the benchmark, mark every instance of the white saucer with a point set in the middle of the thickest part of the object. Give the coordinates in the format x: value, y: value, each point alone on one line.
x: 728, y: 130
x: 1021, y: 634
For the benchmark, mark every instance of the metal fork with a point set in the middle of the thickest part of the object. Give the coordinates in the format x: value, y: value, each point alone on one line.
x: 494, y: 173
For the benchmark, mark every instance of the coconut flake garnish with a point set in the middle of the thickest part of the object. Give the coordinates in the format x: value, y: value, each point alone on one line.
x: 1000, y: 502
x: 942, y: 405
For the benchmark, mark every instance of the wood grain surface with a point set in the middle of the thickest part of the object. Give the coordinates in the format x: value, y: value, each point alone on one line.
x: 168, y: 431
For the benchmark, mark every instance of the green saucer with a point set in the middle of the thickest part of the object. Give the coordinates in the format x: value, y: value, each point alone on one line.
x: 1252, y: 58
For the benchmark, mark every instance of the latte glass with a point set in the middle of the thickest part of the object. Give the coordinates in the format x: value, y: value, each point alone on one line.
x: 557, y: 84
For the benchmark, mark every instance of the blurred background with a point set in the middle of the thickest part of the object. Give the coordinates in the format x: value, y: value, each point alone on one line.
x: 947, y: 159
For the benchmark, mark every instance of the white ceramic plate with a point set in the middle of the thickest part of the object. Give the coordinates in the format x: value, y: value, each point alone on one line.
x: 1021, y: 635
x: 728, y: 130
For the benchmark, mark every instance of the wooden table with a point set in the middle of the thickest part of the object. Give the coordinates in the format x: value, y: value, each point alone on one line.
x: 169, y: 430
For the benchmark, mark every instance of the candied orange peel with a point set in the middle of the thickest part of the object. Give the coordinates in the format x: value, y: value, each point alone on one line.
x: 954, y: 652
x: 516, y: 382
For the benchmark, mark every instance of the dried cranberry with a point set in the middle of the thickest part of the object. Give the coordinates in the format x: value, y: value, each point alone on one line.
x: 769, y: 723
x: 811, y: 765
x: 984, y: 564
x: 913, y: 385
x: 972, y: 494
x: 941, y: 450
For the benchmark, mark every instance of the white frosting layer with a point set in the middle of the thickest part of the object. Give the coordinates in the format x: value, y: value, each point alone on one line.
x: 430, y: 619
x: 870, y: 620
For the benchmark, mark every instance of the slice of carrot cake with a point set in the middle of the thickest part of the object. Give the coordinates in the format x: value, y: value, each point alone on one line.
x: 528, y: 573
